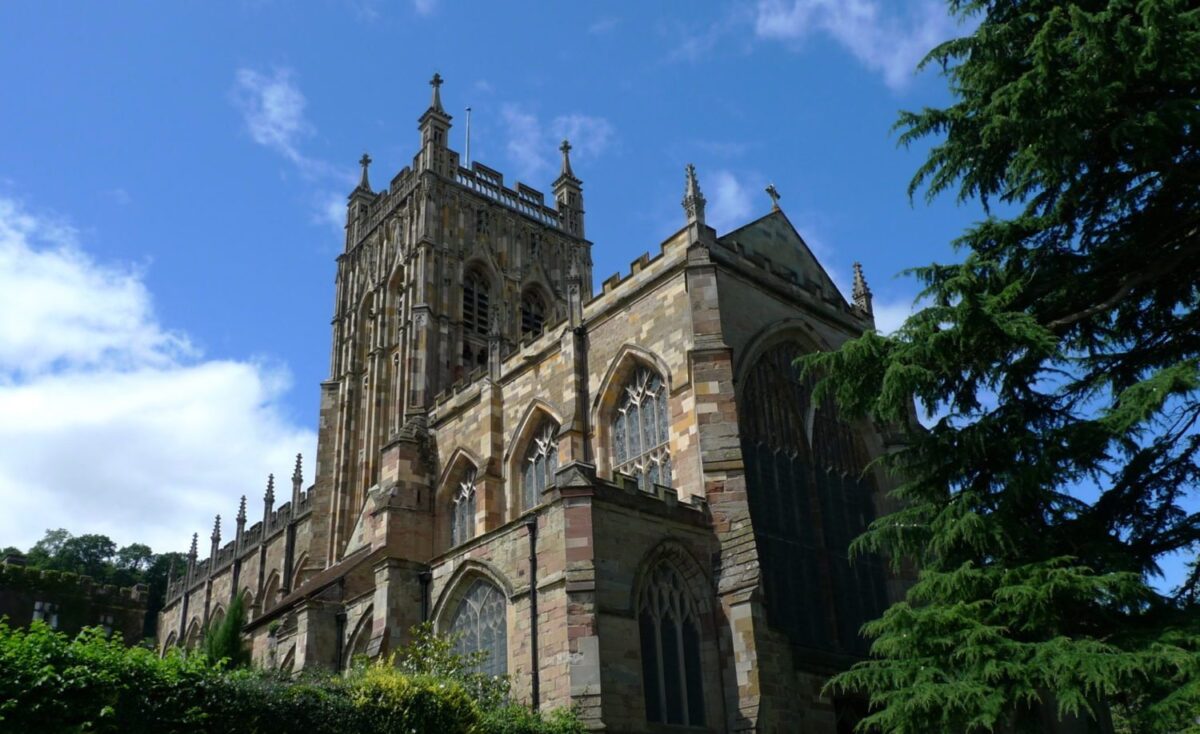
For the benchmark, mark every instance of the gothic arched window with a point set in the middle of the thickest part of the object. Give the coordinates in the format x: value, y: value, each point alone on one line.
x: 670, y: 641
x: 809, y: 496
x: 533, y: 314
x: 475, y: 311
x: 639, y: 430
x: 541, y: 461
x: 479, y: 625
x: 462, y: 510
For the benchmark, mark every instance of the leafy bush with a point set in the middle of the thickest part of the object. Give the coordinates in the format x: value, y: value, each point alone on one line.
x: 52, y: 683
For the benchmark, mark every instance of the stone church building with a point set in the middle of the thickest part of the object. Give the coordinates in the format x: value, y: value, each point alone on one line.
x: 628, y: 497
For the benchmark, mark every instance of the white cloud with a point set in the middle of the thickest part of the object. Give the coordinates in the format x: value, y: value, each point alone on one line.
x: 603, y: 25
x: 112, y: 423
x: 425, y: 7
x: 330, y: 210
x: 884, y: 41
x: 530, y: 144
x: 273, y: 109
x: 891, y: 314
x: 730, y: 203
x: 64, y: 310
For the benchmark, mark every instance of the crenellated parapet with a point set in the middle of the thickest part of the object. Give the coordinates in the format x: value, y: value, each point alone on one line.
x: 250, y: 541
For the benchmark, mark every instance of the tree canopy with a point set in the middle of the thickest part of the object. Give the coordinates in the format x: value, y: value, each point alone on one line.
x: 99, y: 557
x: 1059, y: 363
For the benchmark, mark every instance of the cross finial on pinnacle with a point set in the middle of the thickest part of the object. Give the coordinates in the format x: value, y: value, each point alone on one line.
x: 566, y: 161
x: 775, y: 196
x: 436, y: 83
x: 365, y: 161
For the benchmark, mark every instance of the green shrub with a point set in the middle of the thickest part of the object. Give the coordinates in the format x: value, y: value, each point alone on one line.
x: 52, y: 683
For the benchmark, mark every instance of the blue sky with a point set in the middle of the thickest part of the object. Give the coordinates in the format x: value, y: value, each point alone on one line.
x: 172, y: 176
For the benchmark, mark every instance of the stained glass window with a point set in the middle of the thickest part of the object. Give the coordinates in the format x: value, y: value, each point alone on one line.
x: 670, y: 644
x: 479, y: 624
x: 462, y: 512
x: 541, y: 461
x: 809, y: 495
x: 639, y: 430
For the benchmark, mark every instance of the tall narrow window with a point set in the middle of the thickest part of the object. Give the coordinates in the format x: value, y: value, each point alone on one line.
x: 670, y: 637
x: 479, y: 625
x: 541, y: 461
x: 462, y: 514
x: 533, y: 314
x: 639, y: 430
x: 475, y: 311
x: 809, y: 496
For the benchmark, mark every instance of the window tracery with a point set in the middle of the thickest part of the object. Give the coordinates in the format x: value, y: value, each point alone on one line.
x: 462, y: 512
x: 809, y: 496
x: 541, y: 462
x: 479, y: 625
x: 640, y: 430
x: 670, y: 643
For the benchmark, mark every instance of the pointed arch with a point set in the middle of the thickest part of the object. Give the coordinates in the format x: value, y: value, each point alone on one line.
x: 458, y: 583
x: 299, y: 572
x: 217, y: 616
x: 194, y: 632
x: 356, y: 643
x: 670, y: 550
x: 675, y: 636
x: 537, y: 304
x: 271, y: 590
x: 538, y: 414
x: 474, y: 610
x: 172, y: 640
x: 785, y: 330
x: 456, y: 501
x: 629, y: 358
x: 809, y: 493
x: 249, y: 603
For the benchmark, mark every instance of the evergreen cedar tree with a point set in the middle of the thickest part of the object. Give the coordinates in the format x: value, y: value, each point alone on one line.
x: 1060, y: 362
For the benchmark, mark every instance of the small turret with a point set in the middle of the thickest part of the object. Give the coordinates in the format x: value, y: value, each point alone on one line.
x: 435, y: 129
x: 268, y: 505
x: 860, y: 293
x: 241, y: 523
x: 297, y: 484
x: 216, y: 543
x: 568, y: 192
x: 693, y: 199
x: 191, y: 556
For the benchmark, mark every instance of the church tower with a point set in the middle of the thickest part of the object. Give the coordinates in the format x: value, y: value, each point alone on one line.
x: 445, y: 271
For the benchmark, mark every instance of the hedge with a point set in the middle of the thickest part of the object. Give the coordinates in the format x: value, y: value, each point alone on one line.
x: 52, y: 683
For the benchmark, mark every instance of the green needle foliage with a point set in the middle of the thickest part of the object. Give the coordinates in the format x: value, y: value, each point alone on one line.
x: 1060, y: 361
x: 223, y: 641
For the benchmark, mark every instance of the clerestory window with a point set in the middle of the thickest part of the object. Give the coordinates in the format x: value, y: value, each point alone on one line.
x: 462, y: 513
x: 639, y: 430
x: 479, y: 625
x: 541, y: 461
x: 670, y: 641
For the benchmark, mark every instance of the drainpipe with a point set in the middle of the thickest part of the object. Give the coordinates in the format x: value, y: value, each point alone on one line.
x: 534, y: 682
